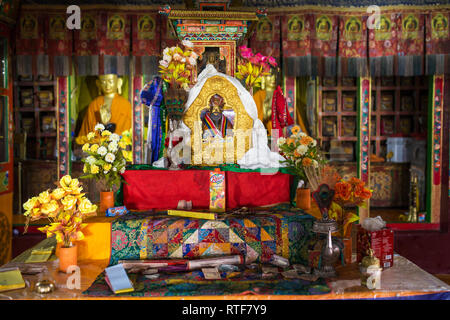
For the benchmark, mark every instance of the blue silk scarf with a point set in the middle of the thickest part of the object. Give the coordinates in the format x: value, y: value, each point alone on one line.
x: 152, y: 96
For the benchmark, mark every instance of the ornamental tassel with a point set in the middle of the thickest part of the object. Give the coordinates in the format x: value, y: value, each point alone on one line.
x: 61, y: 66
x: 352, y: 67
x: 382, y: 66
x: 437, y: 64
x: 149, y: 65
x: 119, y: 65
x: 42, y: 67
x: 24, y: 65
x: 88, y: 65
x: 409, y: 66
x: 298, y: 66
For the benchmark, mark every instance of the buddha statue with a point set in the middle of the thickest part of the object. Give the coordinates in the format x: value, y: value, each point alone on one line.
x: 110, y: 109
x: 263, y: 100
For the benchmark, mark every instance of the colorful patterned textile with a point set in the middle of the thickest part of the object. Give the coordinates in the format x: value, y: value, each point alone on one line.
x: 257, y: 237
x: 193, y: 284
x: 438, y: 43
x: 352, y: 46
x: 309, y: 44
x: 146, y: 42
x: 410, y: 44
x: 266, y: 38
x: 102, y: 45
x: 30, y: 50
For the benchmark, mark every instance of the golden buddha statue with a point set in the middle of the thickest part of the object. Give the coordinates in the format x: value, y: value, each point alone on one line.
x: 263, y: 100
x: 110, y: 109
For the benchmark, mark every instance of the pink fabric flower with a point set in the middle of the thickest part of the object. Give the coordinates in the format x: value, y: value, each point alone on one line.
x: 245, y: 52
x: 272, y: 61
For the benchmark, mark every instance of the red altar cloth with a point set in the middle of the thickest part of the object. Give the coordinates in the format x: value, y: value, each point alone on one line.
x: 162, y: 189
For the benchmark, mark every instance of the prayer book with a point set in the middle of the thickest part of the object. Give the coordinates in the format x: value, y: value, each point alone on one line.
x: 117, y: 279
x: 39, y: 255
x: 193, y: 214
x: 11, y: 279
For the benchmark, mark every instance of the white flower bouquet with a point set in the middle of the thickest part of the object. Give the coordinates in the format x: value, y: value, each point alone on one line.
x: 106, y: 155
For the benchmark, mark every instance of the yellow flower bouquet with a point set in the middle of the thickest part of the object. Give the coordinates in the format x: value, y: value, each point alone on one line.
x: 107, y: 155
x: 65, y: 207
x: 300, y: 151
x: 177, y: 64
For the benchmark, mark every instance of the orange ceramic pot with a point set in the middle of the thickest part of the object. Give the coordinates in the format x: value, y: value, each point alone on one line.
x: 106, y: 200
x: 303, y: 199
x: 67, y: 257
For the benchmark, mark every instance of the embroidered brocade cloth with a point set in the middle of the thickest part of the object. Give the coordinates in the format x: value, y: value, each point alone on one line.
x: 194, y: 284
x: 257, y: 237
x: 284, y: 231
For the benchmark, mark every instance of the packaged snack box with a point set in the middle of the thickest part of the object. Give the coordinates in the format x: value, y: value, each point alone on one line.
x: 217, y: 191
x: 381, y: 242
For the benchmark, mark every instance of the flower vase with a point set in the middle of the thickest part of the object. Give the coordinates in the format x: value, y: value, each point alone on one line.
x: 175, y: 98
x: 303, y: 199
x: 67, y: 257
x: 106, y: 200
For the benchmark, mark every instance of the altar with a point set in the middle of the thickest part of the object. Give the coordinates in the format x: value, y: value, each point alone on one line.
x: 404, y: 281
x: 221, y: 152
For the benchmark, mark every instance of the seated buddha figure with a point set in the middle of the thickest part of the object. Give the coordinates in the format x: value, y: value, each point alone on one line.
x: 110, y: 109
x: 214, y: 123
x: 263, y: 99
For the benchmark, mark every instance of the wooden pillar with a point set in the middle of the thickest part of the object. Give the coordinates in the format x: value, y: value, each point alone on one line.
x: 138, y: 121
x: 63, y: 125
x: 363, y: 139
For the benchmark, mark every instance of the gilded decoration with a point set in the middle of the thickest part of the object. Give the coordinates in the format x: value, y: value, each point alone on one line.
x: 242, y: 125
x: 410, y: 27
x: 439, y: 26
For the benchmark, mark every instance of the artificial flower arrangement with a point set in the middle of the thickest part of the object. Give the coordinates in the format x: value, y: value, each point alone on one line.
x: 253, y: 67
x: 300, y: 151
x: 177, y: 64
x: 348, y: 193
x: 107, y: 155
x: 65, y: 207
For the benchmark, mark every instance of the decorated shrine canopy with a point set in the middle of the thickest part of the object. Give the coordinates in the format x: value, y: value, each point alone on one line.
x: 309, y: 38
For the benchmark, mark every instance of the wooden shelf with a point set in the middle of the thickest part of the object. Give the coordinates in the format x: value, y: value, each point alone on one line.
x: 339, y: 113
x: 39, y: 149
x: 417, y: 90
x: 36, y: 83
x: 37, y: 109
x: 339, y: 118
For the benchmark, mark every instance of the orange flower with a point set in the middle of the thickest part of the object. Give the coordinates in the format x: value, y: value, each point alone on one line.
x: 358, y: 190
x: 290, y: 142
x: 366, y: 193
x: 356, y: 182
x: 306, y: 162
x: 295, y: 129
x: 343, y: 190
x: 306, y: 140
x: 296, y: 154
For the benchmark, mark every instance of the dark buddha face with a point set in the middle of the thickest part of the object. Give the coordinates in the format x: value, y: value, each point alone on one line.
x: 216, y: 105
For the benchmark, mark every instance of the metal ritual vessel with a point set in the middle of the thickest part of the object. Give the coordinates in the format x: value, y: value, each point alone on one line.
x: 331, y: 251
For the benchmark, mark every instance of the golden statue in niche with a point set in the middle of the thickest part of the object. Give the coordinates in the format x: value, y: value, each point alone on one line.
x: 263, y: 99
x: 242, y: 123
x: 110, y: 109
x: 211, y: 55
